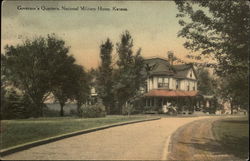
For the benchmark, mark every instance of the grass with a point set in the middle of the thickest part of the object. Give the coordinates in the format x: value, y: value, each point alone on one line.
x: 16, y: 132
x: 233, y: 135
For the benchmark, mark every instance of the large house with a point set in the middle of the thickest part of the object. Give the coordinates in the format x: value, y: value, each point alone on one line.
x: 169, y: 85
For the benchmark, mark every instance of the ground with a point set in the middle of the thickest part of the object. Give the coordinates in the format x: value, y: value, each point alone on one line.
x: 168, y: 138
x: 16, y: 132
x: 196, y: 141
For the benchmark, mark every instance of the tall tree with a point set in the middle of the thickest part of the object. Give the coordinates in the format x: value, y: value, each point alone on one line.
x: 220, y: 29
x: 81, y: 86
x: 104, y: 79
x: 128, y: 76
x: 63, y: 89
x: 32, y: 67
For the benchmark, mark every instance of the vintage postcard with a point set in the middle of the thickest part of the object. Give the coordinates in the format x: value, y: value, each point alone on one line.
x: 125, y: 80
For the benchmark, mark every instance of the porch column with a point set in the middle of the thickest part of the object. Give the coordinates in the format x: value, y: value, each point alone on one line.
x: 155, y: 101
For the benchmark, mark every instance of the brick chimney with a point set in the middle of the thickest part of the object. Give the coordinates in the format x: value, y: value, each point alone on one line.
x: 170, y: 55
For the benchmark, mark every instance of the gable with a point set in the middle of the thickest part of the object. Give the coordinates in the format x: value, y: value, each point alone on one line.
x: 185, y: 71
x: 191, y: 74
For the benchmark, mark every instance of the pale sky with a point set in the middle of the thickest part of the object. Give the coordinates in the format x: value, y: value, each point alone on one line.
x: 153, y: 26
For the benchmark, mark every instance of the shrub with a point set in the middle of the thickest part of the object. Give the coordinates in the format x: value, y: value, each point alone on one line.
x: 128, y: 109
x: 51, y: 113
x: 92, y: 111
x: 13, y: 106
x: 73, y: 112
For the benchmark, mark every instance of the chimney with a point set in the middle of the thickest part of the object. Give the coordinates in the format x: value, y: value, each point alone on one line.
x: 170, y: 55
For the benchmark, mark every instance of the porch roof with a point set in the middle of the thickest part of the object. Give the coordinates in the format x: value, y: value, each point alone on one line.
x: 168, y: 93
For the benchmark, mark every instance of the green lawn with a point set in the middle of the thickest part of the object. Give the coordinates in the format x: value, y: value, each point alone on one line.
x: 233, y: 134
x: 15, y: 132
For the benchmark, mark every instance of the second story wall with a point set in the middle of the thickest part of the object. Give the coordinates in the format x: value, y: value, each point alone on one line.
x: 160, y: 82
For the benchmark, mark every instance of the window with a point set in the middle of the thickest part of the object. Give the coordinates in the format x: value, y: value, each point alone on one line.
x: 194, y: 88
x: 177, y: 84
x: 191, y: 74
x: 163, y: 82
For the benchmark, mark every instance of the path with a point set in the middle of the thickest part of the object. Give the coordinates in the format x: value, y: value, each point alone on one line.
x: 195, y: 141
x: 140, y: 141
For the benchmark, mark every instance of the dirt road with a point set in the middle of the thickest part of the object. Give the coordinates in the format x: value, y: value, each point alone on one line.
x: 140, y: 141
x: 195, y: 141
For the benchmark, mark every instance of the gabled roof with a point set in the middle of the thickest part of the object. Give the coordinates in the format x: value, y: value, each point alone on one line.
x: 158, y: 66
x: 182, y: 70
x: 161, y: 66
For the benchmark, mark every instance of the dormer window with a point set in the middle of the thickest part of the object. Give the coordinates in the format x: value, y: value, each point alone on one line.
x: 191, y: 75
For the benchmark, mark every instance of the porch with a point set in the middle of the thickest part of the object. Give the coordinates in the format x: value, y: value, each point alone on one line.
x: 190, y: 101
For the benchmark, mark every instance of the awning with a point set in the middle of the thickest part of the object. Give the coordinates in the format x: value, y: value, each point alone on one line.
x: 168, y: 93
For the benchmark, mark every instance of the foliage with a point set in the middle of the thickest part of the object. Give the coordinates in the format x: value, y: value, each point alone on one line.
x: 32, y: 67
x: 220, y: 29
x: 128, y: 109
x: 128, y: 76
x: 81, y: 87
x: 92, y: 111
x: 104, y: 79
x: 206, y: 84
x: 63, y: 89
x: 13, y: 105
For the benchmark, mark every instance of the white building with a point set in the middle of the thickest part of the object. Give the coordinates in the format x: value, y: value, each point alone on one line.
x: 169, y: 84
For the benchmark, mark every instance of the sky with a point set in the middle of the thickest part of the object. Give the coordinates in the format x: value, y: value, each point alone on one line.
x: 152, y: 24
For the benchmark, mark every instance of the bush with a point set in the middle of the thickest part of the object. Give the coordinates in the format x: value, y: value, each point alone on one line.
x: 73, y: 112
x: 51, y: 113
x: 128, y: 109
x: 13, y: 106
x: 92, y: 111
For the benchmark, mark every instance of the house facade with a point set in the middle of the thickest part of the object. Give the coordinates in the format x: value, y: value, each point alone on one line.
x: 170, y: 85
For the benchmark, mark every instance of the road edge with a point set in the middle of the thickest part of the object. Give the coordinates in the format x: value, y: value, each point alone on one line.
x: 29, y: 145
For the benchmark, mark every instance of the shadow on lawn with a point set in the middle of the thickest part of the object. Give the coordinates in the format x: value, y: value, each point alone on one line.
x: 228, y: 144
x: 205, y: 144
x: 235, y: 121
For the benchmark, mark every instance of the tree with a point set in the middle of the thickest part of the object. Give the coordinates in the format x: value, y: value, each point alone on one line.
x: 220, y: 29
x: 32, y: 67
x: 104, y: 79
x: 128, y: 77
x: 63, y: 89
x: 81, y: 86
x: 206, y: 84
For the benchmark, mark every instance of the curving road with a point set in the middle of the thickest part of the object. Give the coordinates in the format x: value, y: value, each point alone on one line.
x: 140, y: 141
x: 196, y: 141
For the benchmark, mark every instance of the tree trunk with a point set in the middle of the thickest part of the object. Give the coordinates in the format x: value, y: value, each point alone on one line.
x: 79, y: 104
x: 232, y: 108
x: 61, y: 111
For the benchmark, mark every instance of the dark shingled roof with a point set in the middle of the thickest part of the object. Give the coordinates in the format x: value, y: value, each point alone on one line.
x: 160, y: 66
x: 182, y: 70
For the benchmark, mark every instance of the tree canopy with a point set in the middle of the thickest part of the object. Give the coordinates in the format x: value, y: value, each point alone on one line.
x: 104, y: 79
x: 40, y: 67
x: 220, y: 29
x: 128, y: 77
